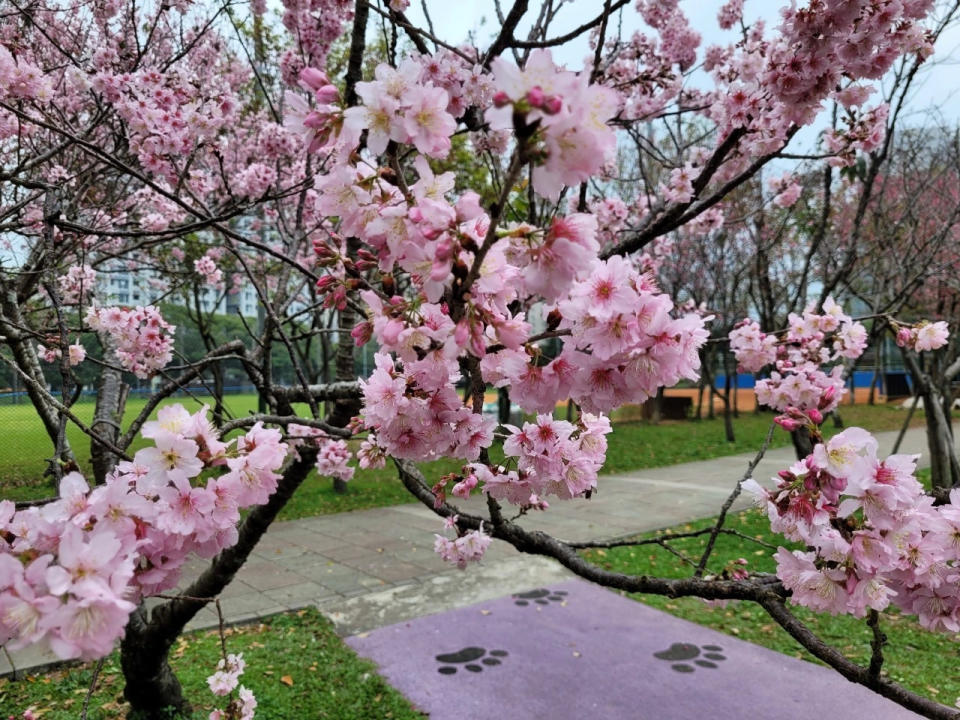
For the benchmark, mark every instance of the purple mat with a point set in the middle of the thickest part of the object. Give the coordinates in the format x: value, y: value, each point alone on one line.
x: 576, y: 650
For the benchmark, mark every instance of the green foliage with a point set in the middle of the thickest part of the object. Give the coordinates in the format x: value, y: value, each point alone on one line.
x: 298, y: 668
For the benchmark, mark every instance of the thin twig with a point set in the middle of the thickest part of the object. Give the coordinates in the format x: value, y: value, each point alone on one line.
x: 702, y: 565
x: 90, y: 690
x: 636, y: 542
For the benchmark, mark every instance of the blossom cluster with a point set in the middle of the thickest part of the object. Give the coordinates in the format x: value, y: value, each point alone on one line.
x: 553, y: 457
x: 786, y: 191
x: 572, y: 139
x: 22, y: 79
x: 224, y: 681
x: 812, y: 340
x: 415, y: 410
x: 423, y: 233
x: 923, y: 337
x: 753, y: 348
x: 206, y: 267
x: 396, y: 107
x: 465, y: 548
x: 872, y: 536
x: 828, y: 39
x: 332, y: 455
x: 71, y: 571
x: 76, y: 352
x: 144, y: 339
x: 77, y: 285
x: 623, y: 341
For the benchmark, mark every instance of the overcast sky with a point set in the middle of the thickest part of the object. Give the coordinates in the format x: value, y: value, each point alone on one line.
x: 938, y: 91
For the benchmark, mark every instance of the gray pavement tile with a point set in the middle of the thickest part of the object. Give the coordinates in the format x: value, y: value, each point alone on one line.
x: 242, y: 606
x: 236, y: 588
x: 300, y: 595
x: 349, y: 552
x: 267, y: 576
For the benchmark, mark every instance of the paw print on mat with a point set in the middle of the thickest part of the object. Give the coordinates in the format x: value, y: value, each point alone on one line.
x: 541, y: 596
x: 471, y: 656
x: 678, y: 653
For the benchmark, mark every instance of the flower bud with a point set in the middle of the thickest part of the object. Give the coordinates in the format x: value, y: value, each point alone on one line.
x: 313, y: 78
x: 327, y: 94
x: 553, y: 319
x: 787, y: 423
x: 905, y: 337
x: 827, y: 396
x: 501, y: 99
x: 536, y: 96
x: 362, y: 332
x: 324, y: 283
x: 552, y: 105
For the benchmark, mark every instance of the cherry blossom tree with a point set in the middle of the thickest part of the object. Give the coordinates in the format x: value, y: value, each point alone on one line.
x: 190, y: 144
x: 914, y: 215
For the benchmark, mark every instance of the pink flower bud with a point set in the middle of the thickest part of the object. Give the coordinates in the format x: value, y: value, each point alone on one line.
x: 461, y: 334
x: 462, y: 489
x: 827, y: 396
x: 501, y: 99
x: 536, y: 96
x: 477, y: 345
x: 315, y: 120
x: 787, y: 423
x: 327, y: 94
x: 552, y: 105
x: 362, y: 333
x: 816, y: 416
x: 905, y: 337
x: 444, y: 249
x: 324, y: 283
x: 415, y: 214
x: 313, y: 78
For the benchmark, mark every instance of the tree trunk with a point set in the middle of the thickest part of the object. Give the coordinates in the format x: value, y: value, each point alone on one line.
x: 736, y: 395
x: 152, y: 688
x: 802, y: 442
x: 219, y: 415
x: 727, y: 414
x: 939, y: 457
x: 111, y: 399
x: 657, y: 414
x: 503, y: 406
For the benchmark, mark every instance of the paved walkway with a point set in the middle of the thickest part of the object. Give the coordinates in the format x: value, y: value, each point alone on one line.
x: 370, y: 568
x: 600, y: 655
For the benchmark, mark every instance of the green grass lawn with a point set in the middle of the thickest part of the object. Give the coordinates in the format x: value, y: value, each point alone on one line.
x: 923, y: 661
x: 632, y: 446
x: 296, y: 666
